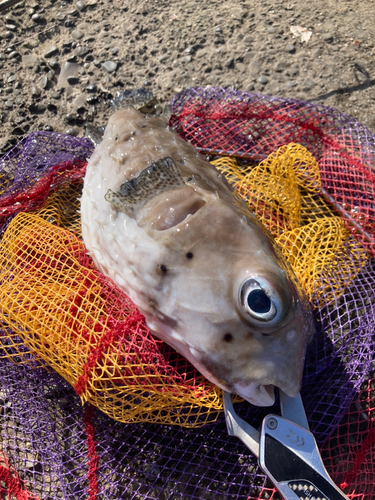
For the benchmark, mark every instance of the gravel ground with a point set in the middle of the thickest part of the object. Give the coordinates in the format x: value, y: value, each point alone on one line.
x: 62, y: 61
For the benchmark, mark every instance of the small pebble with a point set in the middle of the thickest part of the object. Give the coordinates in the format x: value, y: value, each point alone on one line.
x: 55, y: 95
x: 14, y: 54
x: 248, y: 39
x: 44, y: 82
x: 10, y: 18
x: 328, y: 37
x: 80, y: 51
x: 18, y: 131
x: 52, y: 51
x: 9, y: 104
x: 109, y: 66
x: 280, y: 66
x: 35, y: 91
x: 37, y: 108
x: 77, y: 35
x: 72, y: 80
x: 92, y: 99
x: 38, y: 18
x: 70, y: 117
x: 12, y: 78
x: 52, y: 63
x: 8, y: 34
x: 271, y: 29
x: 229, y: 63
x: 80, y: 5
x: 72, y: 131
x: 48, y: 128
x: 291, y: 48
x: 263, y: 80
x: 92, y: 87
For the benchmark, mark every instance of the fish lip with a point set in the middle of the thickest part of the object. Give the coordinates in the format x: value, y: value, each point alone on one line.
x: 256, y: 393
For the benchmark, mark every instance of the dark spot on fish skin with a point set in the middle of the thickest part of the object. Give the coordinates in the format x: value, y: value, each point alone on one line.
x: 189, y: 255
x: 228, y: 337
x: 143, y: 126
x: 162, y: 269
x: 134, y: 132
x: 189, y: 179
x: 116, y: 138
x: 153, y: 304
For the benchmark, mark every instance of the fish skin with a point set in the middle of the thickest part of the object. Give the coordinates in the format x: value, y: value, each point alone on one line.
x: 185, y: 268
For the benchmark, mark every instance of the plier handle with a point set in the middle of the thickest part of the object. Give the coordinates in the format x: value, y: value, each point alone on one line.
x: 286, y: 451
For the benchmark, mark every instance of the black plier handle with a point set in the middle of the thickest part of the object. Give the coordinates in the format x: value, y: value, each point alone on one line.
x: 286, y: 450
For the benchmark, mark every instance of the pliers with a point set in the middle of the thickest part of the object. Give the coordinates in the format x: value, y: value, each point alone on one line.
x: 286, y: 450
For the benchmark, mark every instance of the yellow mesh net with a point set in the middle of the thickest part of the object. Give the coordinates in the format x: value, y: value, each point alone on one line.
x: 61, y: 311
x: 283, y: 191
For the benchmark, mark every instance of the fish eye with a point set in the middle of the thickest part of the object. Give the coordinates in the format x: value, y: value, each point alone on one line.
x: 258, y: 301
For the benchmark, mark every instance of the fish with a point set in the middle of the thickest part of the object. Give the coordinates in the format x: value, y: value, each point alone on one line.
x: 166, y: 227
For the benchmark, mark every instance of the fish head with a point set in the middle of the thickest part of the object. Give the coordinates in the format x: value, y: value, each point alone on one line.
x: 243, y: 319
x: 277, y: 325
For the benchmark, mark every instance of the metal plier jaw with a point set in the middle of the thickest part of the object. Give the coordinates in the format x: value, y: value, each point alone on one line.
x: 286, y: 451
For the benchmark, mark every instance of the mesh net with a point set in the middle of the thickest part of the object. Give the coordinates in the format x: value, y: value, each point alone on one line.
x: 286, y: 159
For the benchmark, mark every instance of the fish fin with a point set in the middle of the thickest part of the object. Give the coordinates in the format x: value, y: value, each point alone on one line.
x: 162, y: 175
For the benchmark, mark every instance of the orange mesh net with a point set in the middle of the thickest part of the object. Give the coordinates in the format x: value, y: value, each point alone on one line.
x: 78, y: 322
x: 73, y: 319
x: 283, y: 191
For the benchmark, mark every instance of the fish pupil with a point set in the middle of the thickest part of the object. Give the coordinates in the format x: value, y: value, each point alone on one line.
x: 258, y: 301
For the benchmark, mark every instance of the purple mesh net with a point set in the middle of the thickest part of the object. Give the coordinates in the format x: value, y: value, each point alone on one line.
x: 40, y: 163
x: 44, y: 427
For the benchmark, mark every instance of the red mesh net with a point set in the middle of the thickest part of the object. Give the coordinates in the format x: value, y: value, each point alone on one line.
x: 218, y: 121
x: 11, y: 486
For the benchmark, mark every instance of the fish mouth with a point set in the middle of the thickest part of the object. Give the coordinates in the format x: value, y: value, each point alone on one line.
x: 256, y: 394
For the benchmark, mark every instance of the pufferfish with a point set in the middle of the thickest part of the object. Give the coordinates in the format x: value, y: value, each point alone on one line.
x: 164, y: 225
